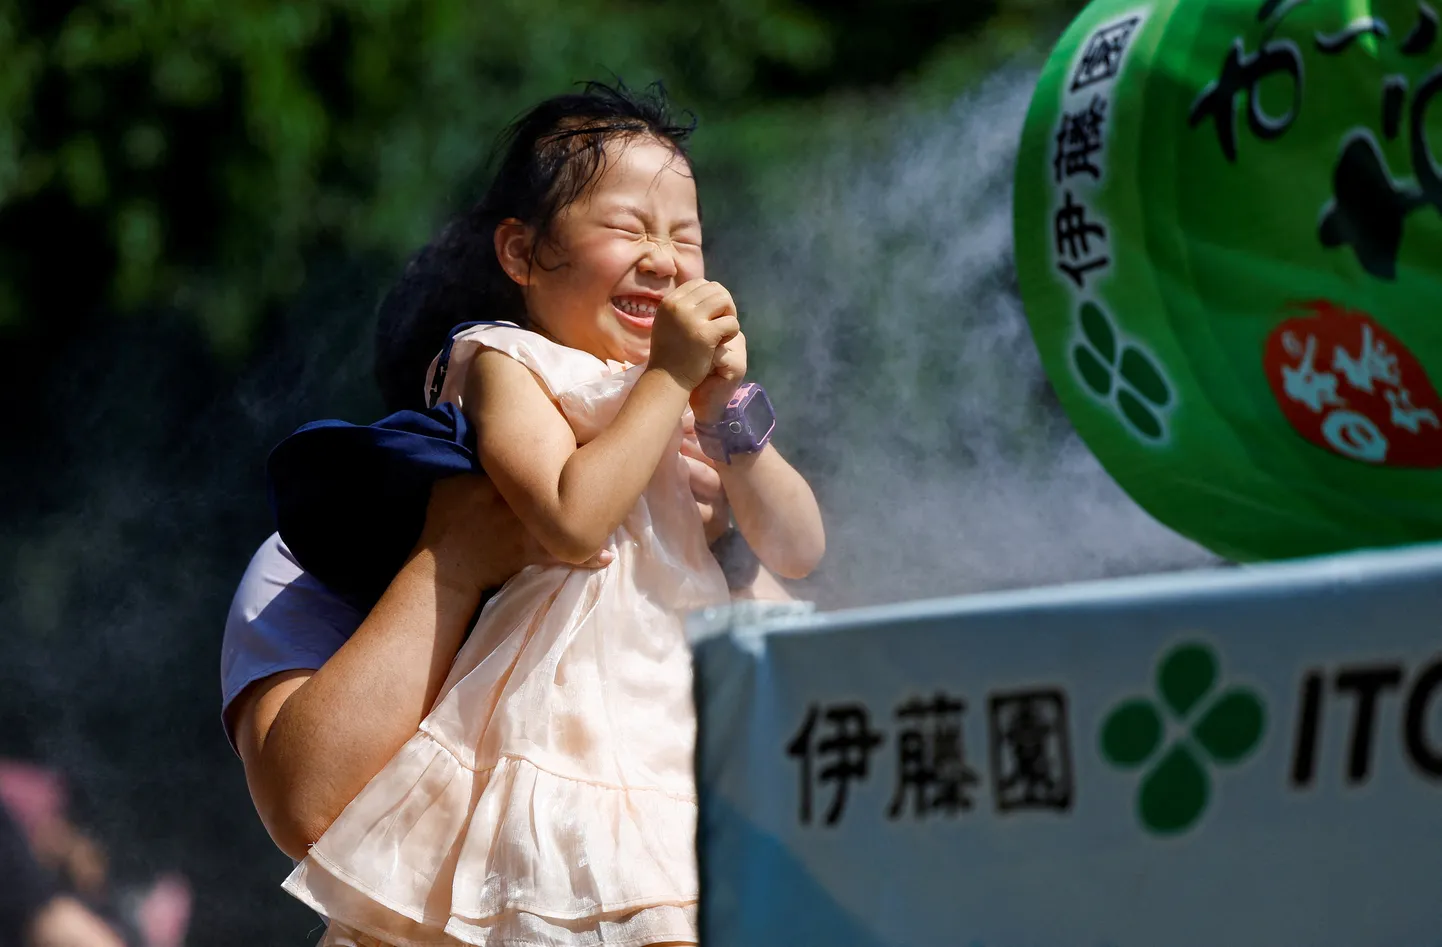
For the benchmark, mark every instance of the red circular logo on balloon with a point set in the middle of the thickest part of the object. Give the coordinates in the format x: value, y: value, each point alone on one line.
x: 1348, y: 385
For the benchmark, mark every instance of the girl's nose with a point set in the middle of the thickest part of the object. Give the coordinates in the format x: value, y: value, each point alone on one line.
x: 659, y: 260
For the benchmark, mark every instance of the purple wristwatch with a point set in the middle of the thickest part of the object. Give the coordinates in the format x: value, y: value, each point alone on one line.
x: 745, y: 426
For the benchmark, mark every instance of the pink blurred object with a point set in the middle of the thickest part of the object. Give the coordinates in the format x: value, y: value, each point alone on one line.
x: 37, y: 799
x: 35, y: 796
x: 163, y: 914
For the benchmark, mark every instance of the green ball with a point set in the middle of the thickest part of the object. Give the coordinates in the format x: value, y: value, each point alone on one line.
x: 1229, y: 242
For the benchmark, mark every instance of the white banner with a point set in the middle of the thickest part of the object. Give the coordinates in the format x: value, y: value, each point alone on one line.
x: 1240, y: 757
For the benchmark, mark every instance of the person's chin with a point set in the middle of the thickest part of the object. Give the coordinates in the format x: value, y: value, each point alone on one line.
x: 632, y: 343
x: 637, y: 353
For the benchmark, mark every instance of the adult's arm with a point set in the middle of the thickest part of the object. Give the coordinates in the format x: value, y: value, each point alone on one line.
x: 310, y: 740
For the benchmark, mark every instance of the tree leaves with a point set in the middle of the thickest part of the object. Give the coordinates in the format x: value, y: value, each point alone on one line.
x: 195, y: 154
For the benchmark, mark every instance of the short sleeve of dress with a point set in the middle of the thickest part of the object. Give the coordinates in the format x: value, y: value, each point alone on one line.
x: 281, y: 619
x: 559, y: 368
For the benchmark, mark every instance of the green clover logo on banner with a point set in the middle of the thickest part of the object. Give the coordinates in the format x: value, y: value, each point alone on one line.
x: 1213, y: 727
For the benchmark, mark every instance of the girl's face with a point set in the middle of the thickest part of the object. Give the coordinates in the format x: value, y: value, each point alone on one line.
x: 615, y: 253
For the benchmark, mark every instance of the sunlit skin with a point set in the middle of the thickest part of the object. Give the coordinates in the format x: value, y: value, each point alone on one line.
x: 311, y: 739
x: 614, y: 254
x: 622, y: 277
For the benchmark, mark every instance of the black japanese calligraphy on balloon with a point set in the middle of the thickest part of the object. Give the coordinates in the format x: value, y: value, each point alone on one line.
x: 1369, y: 204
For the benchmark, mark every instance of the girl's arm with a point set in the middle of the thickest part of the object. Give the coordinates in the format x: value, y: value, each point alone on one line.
x: 715, y: 511
x: 572, y: 498
x: 772, y: 503
x: 776, y: 512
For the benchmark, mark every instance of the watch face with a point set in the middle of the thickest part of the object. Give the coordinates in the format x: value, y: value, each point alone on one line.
x: 759, y: 416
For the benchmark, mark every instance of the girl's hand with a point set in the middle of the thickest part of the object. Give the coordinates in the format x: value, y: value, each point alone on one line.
x: 692, y: 323
x: 709, y: 399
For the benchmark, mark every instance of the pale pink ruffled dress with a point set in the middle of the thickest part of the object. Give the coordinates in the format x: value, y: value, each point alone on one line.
x: 548, y: 797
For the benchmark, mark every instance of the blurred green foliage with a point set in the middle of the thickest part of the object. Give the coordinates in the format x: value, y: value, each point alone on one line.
x: 195, y: 155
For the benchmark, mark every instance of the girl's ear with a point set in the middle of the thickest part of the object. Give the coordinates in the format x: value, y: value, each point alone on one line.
x: 513, y: 249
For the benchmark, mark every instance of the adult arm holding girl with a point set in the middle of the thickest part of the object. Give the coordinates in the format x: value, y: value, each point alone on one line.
x: 311, y: 738
x: 312, y: 734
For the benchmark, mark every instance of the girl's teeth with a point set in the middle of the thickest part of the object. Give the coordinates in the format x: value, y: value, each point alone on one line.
x: 636, y: 309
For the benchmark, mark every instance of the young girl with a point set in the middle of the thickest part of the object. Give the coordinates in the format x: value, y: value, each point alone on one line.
x: 548, y: 797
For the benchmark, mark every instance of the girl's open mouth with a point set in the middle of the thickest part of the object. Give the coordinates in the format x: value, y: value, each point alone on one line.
x: 637, y: 312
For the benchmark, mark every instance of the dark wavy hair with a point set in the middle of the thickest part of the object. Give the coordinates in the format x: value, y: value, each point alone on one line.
x: 549, y: 158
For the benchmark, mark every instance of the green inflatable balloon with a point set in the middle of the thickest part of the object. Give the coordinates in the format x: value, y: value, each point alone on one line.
x: 1229, y: 241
